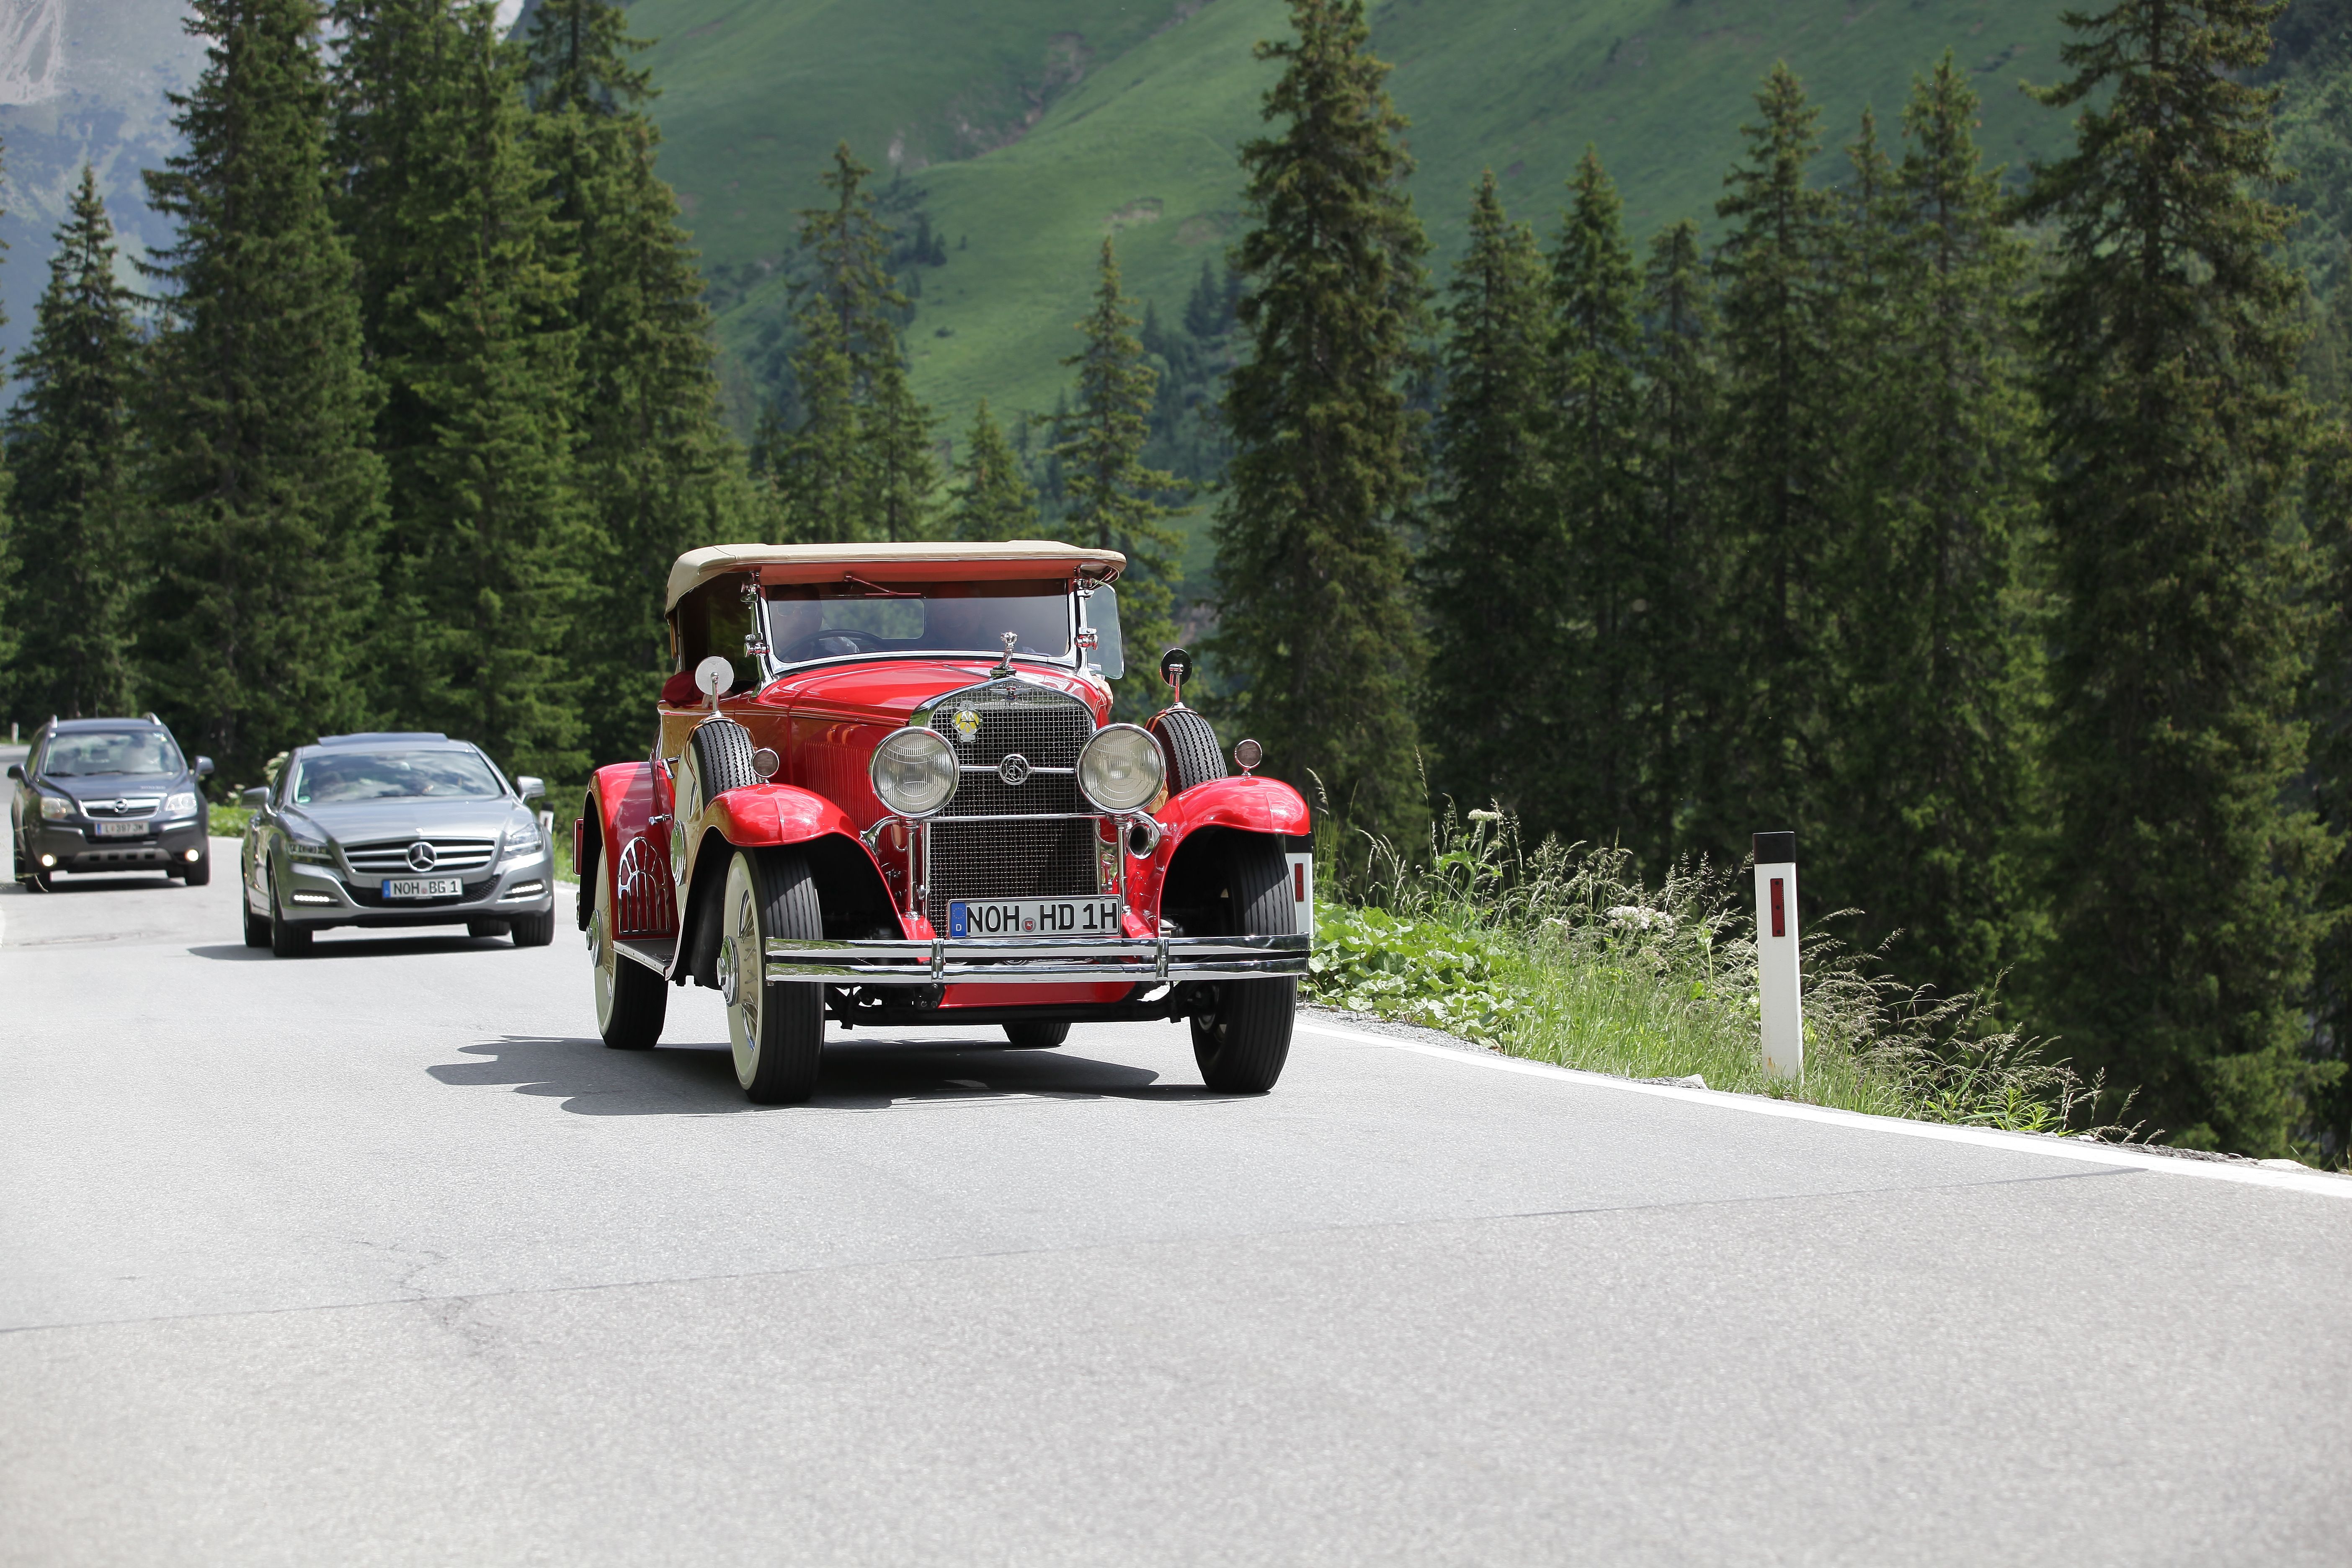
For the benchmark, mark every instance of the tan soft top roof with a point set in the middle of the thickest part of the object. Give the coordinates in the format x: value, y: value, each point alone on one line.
x: 889, y: 563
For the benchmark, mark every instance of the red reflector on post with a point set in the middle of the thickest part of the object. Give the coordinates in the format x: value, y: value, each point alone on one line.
x: 1298, y: 884
x: 1779, y: 911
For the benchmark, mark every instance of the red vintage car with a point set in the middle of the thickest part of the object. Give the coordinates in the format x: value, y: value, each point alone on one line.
x: 885, y: 789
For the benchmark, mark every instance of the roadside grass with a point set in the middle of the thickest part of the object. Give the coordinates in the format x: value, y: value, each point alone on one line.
x: 1562, y: 954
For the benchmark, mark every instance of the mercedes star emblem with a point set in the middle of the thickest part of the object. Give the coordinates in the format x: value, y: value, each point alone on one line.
x: 1013, y: 769
x: 422, y: 855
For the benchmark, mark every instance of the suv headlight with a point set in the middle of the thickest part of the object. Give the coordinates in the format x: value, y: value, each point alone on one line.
x: 56, y: 808
x: 914, y: 771
x: 1119, y: 769
x: 180, y: 805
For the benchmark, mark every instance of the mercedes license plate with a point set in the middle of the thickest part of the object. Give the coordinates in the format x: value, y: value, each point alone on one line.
x: 422, y: 888
x: 1032, y: 917
x: 122, y: 830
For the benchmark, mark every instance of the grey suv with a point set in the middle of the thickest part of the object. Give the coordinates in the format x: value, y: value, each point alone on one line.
x: 108, y: 795
x: 388, y: 829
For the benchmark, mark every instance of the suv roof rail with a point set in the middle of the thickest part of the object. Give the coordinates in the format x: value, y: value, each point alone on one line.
x: 151, y: 716
x: 383, y: 735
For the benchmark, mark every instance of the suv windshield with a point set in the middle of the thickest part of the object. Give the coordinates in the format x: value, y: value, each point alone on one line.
x: 840, y: 620
x: 143, y: 752
x: 337, y: 778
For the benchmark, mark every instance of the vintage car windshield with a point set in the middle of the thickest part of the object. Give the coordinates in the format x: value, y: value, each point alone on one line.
x: 147, y: 753
x: 808, y: 621
x: 340, y: 777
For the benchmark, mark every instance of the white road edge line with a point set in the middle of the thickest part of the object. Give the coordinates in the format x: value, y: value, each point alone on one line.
x: 2318, y: 1182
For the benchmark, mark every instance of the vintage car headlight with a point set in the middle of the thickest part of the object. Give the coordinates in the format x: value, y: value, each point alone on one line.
x: 180, y: 805
x: 1119, y: 769
x: 914, y: 771
x: 56, y: 808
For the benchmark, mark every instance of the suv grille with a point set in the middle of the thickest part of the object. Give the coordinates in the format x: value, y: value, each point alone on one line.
x: 113, y: 807
x: 1012, y: 859
x: 389, y: 856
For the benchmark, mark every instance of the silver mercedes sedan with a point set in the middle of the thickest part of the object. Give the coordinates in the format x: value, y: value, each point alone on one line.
x: 394, y: 829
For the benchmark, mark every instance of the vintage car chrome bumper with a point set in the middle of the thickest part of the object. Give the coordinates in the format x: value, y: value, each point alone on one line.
x: 1036, y: 960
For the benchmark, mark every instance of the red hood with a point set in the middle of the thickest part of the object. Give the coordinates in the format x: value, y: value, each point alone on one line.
x: 894, y: 689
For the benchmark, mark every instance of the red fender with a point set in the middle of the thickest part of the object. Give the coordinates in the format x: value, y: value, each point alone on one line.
x: 1251, y: 803
x: 759, y: 816
x: 635, y: 860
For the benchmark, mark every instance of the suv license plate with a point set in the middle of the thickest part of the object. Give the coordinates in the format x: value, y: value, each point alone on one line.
x: 1032, y: 917
x: 422, y: 888
x: 122, y: 830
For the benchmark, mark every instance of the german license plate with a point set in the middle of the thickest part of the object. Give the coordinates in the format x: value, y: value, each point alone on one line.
x: 1032, y: 917
x: 422, y: 888
x: 122, y: 830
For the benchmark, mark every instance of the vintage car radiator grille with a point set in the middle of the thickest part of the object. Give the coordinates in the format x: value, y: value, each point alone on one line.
x: 1012, y: 859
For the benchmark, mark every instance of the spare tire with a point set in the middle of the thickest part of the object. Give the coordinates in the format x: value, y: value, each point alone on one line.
x: 722, y: 757
x: 1190, y: 747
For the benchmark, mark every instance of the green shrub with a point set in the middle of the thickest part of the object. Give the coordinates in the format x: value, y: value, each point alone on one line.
x: 1563, y: 954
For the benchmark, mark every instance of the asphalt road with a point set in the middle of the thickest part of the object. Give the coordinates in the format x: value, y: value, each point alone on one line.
x: 378, y: 1255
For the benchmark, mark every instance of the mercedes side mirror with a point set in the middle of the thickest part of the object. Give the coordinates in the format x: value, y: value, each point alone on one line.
x: 255, y: 798
x: 530, y: 788
x: 204, y: 767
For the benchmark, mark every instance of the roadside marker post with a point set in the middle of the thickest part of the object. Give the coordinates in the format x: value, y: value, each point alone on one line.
x: 1777, y: 980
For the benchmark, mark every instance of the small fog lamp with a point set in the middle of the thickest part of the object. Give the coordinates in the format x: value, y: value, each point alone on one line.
x: 1120, y: 769
x: 914, y: 773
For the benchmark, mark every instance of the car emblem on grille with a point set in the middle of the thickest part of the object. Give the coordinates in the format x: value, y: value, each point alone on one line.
x: 422, y: 855
x: 120, y: 806
x: 1013, y: 769
x: 966, y: 723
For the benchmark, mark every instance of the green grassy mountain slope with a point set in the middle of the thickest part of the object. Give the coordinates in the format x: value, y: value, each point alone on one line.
x: 1033, y: 127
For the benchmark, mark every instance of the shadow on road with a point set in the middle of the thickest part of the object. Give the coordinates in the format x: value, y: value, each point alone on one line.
x: 862, y: 1075
x: 364, y: 947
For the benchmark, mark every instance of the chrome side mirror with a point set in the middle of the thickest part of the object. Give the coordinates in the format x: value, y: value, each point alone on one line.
x: 530, y: 788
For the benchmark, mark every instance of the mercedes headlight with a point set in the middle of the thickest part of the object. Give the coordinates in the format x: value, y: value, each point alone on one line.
x: 522, y: 837
x: 180, y: 805
x: 56, y: 808
x: 914, y: 771
x: 1119, y: 769
x: 310, y: 854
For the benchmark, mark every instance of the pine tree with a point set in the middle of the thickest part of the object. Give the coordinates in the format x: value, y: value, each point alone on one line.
x: 1495, y: 574
x: 2183, y: 872
x: 1940, y: 670
x: 1317, y: 642
x: 657, y: 470
x: 473, y: 329
x: 270, y: 497
x: 1681, y: 409
x: 9, y: 545
x: 992, y: 499
x: 1778, y: 473
x: 2330, y: 709
x: 857, y: 464
x: 1113, y: 498
x: 69, y: 443
x: 1607, y: 676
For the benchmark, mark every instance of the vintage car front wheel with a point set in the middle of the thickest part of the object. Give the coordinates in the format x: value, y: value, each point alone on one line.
x: 1243, y: 1037
x: 777, y: 1031
x: 631, y: 999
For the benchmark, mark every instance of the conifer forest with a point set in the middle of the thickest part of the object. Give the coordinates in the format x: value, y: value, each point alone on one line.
x: 1986, y: 526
